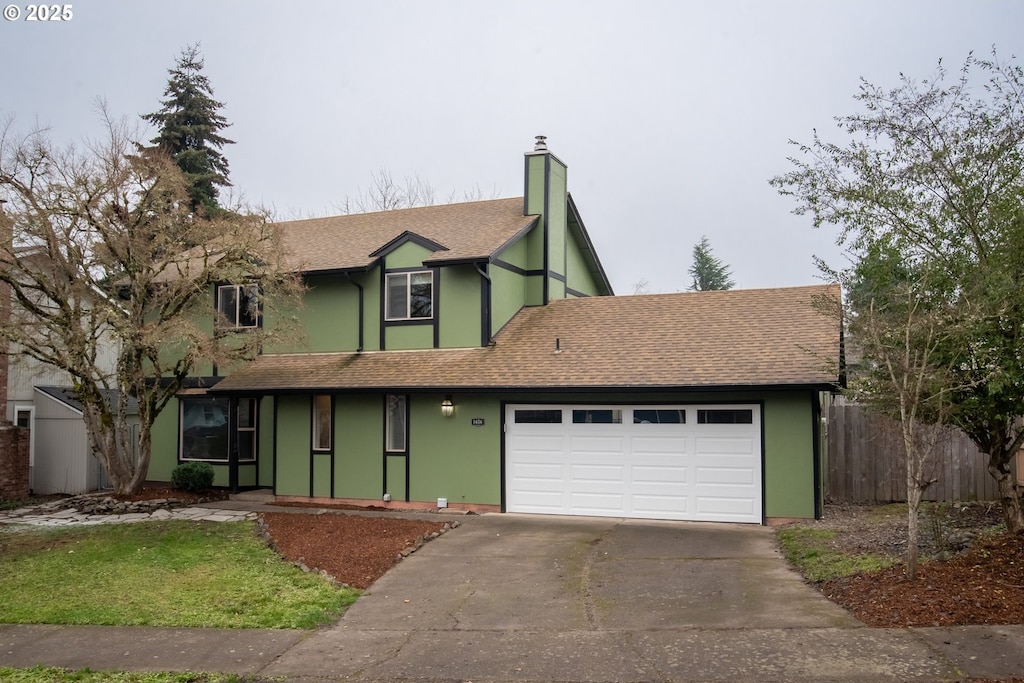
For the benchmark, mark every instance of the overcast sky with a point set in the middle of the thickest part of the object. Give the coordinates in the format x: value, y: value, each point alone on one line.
x: 671, y: 116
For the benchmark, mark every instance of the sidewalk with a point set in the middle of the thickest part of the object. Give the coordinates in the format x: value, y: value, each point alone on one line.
x: 795, y: 655
x: 436, y: 617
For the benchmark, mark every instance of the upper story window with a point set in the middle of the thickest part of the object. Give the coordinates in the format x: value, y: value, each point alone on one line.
x: 238, y: 305
x: 410, y: 296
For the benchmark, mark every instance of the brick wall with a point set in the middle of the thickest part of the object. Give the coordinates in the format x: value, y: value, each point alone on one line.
x: 13, y: 462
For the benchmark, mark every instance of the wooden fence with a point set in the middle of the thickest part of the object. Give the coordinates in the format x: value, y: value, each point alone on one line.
x: 866, y: 463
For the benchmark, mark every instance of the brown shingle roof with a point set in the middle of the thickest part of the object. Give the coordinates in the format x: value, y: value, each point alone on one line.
x: 757, y: 337
x: 472, y: 230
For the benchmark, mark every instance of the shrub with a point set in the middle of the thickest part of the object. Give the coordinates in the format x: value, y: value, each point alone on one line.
x: 192, y: 476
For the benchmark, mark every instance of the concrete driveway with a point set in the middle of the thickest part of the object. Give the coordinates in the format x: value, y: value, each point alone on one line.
x: 518, y: 597
x: 522, y: 572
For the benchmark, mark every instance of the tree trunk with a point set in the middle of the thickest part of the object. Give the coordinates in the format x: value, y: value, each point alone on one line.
x: 913, y: 528
x: 110, y: 444
x: 1009, y: 493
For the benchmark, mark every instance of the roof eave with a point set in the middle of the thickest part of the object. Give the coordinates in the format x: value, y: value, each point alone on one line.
x: 532, y: 388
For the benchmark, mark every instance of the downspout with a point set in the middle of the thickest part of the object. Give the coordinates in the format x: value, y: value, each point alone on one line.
x: 360, y: 288
x: 485, y: 307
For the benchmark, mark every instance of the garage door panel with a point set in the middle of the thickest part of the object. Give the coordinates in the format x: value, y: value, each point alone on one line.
x: 658, y: 506
x: 724, y: 508
x: 598, y: 504
x: 541, y: 502
x: 725, y: 445
x: 650, y: 445
x: 596, y: 444
x: 532, y: 473
x: 658, y: 475
x: 726, y: 476
x: 611, y: 473
x: 681, y: 470
x: 553, y: 444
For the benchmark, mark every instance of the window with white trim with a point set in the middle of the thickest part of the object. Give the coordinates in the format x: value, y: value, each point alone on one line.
x: 238, y: 306
x: 409, y: 296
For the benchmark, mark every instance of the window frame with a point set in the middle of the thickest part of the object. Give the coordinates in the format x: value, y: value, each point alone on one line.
x: 396, y: 404
x: 235, y: 322
x: 408, y: 291
x: 253, y: 428
x: 316, y: 425
x: 725, y: 416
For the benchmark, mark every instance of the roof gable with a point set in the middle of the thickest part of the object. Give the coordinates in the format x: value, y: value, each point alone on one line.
x: 405, y: 238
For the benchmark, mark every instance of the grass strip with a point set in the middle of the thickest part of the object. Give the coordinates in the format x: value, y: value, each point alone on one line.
x: 814, y: 555
x: 42, y: 674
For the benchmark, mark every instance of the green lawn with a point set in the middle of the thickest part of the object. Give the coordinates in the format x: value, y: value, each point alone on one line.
x: 170, y: 573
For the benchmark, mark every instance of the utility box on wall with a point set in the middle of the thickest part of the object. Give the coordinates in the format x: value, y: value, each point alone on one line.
x: 14, y: 464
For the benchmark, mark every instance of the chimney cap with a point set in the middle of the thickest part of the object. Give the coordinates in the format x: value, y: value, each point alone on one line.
x: 541, y: 145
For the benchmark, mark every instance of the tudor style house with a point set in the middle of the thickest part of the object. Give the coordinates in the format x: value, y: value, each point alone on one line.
x: 473, y: 356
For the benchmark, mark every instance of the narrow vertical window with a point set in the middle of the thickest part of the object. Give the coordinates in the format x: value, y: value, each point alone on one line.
x: 323, y: 419
x: 396, y: 423
x: 246, y: 429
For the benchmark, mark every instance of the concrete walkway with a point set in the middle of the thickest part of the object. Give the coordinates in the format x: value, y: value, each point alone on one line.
x: 521, y: 598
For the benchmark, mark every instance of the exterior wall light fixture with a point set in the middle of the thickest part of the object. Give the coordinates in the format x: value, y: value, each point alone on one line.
x: 447, y: 407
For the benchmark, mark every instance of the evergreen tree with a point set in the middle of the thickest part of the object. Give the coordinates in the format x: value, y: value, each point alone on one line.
x: 707, y: 271
x: 189, y: 129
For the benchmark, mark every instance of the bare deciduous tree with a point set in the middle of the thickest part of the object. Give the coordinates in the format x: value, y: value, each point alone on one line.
x: 387, y: 194
x: 900, y: 320
x: 101, y: 248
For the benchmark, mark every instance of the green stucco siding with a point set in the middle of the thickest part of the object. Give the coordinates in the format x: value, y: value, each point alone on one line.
x: 557, y: 227
x: 322, y: 475
x: 459, y: 307
x: 408, y: 255
x: 452, y: 458
x: 395, y: 477
x: 293, y: 445
x: 330, y: 314
x: 535, y: 195
x: 359, y: 447
x: 405, y: 337
x: 371, y: 309
x: 508, y: 287
x: 265, y: 456
x: 789, y: 455
x: 578, y: 276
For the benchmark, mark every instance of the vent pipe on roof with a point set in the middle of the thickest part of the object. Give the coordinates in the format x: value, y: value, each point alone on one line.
x: 540, y: 145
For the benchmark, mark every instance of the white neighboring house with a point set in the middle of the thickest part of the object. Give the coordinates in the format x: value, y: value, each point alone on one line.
x: 39, y: 397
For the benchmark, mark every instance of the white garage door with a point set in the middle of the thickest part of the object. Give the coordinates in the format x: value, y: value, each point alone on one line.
x: 685, y: 462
